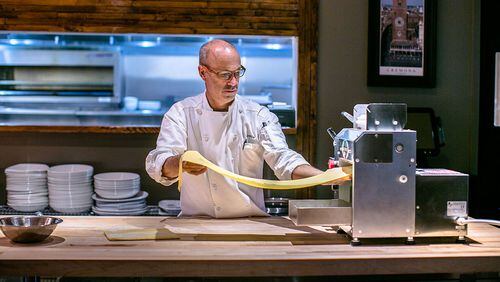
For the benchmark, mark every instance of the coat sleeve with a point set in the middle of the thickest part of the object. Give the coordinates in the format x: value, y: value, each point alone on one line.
x: 171, y: 141
x: 277, y: 155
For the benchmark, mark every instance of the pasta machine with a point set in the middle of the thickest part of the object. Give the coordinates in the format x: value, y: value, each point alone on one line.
x: 388, y: 196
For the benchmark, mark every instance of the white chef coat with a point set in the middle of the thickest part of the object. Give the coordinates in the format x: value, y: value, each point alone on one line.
x: 238, y: 140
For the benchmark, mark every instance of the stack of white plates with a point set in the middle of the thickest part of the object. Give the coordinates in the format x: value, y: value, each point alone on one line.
x: 130, y: 206
x: 70, y: 188
x: 169, y: 207
x: 27, y: 187
x: 117, y: 185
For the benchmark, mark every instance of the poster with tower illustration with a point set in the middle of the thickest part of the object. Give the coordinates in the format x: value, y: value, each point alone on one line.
x: 402, y: 30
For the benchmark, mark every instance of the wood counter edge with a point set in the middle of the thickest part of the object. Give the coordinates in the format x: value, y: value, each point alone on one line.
x: 249, y: 268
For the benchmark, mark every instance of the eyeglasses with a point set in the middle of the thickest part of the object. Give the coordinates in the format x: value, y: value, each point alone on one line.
x: 227, y: 75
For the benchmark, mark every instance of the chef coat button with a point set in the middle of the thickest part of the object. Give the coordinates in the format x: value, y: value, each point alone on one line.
x: 205, y: 138
x: 214, y: 186
x: 241, y: 111
x: 198, y: 111
x: 218, y: 209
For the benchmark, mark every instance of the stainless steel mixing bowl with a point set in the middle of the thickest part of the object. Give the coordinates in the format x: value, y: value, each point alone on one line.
x: 28, y: 229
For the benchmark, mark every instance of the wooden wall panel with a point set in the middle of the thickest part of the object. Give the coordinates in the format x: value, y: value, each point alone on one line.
x: 245, y: 17
x: 161, y: 16
x: 308, y: 42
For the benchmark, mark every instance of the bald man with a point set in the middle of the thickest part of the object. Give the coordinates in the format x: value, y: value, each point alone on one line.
x: 230, y: 131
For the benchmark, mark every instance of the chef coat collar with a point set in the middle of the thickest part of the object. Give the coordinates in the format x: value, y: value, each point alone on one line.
x: 206, y: 106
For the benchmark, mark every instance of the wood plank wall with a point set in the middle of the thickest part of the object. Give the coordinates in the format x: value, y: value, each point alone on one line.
x: 243, y: 17
x: 277, y: 17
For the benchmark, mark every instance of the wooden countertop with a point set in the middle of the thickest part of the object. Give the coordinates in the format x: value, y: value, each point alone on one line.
x: 78, y: 247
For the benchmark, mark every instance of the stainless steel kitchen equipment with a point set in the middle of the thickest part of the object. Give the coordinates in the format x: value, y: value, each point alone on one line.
x: 28, y: 229
x: 276, y: 205
x: 82, y: 77
x: 388, y: 197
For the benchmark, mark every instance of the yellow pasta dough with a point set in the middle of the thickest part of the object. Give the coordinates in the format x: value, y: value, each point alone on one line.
x: 338, y: 173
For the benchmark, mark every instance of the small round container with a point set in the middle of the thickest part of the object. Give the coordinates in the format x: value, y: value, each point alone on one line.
x: 130, y: 103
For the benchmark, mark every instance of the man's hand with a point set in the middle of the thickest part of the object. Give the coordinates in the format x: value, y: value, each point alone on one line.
x: 193, y: 168
x: 170, y: 168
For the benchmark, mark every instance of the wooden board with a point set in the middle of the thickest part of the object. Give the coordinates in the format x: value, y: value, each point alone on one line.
x: 78, y: 247
x: 224, y: 230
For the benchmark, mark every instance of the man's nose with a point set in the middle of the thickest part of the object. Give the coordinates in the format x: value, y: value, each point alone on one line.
x: 234, y: 80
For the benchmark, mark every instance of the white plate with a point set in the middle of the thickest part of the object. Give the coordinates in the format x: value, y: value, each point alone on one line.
x: 28, y: 208
x: 70, y: 192
x: 26, y: 168
x: 169, y: 212
x: 70, y: 202
x: 27, y: 177
x: 137, y: 212
x: 27, y: 182
x: 70, y: 180
x: 71, y: 169
x: 26, y: 199
x: 118, y: 181
x: 69, y: 189
x: 30, y: 181
x: 70, y: 195
x: 27, y: 204
x: 60, y: 205
x: 33, y: 175
x: 44, y: 199
x: 121, y: 186
x: 117, y: 188
x: 141, y: 195
x: 69, y: 186
x: 68, y: 198
x: 27, y: 195
x: 112, y: 185
x: 120, y: 204
x: 170, y: 205
x: 71, y: 209
x: 25, y: 188
x: 116, y: 194
x: 69, y: 177
x: 114, y: 176
x: 120, y: 207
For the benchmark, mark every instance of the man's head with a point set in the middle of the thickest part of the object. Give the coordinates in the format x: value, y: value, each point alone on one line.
x: 220, y: 68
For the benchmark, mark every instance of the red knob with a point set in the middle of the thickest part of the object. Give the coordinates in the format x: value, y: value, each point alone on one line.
x: 331, y: 163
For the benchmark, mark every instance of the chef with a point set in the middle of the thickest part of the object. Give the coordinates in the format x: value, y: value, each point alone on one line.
x: 230, y: 131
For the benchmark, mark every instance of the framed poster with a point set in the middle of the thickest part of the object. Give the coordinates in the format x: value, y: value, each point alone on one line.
x: 402, y: 43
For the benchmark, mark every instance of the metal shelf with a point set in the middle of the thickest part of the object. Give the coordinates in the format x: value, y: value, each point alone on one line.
x: 6, y: 210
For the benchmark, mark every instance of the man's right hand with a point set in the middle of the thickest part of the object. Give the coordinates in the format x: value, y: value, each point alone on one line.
x: 171, y: 167
x: 193, y: 168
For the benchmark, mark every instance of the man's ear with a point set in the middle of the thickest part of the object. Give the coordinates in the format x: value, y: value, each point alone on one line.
x: 202, y: 72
